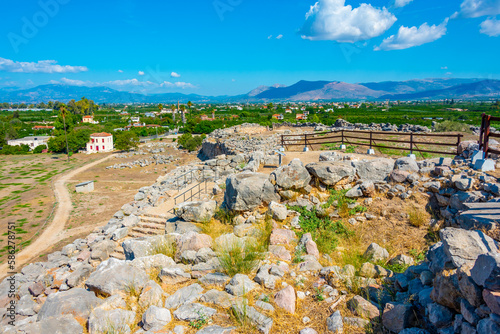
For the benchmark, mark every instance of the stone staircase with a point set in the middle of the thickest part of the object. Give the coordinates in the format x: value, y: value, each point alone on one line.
x: 154, y: 220
x: 150, y: 224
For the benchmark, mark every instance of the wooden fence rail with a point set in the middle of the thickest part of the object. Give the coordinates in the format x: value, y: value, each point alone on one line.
x: 371, y: 139
x: 485, y: 134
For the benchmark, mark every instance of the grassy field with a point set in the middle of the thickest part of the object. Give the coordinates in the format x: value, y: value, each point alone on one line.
x: 26, y: 196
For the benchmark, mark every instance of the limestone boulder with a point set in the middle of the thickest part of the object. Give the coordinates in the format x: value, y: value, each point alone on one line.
x: 292, y: 176
x: 199, y: 212
x: 246, y: 191
x: 330, y: 173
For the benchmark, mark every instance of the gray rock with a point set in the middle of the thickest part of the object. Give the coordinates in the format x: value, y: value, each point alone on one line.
x: 292, y: 176
x: 246, y: 191
x: 406, y: 164
x: 439, y: 315
x: 308, y: 331
x: 488, y: 326
x: 188, y: 294
x: 79, y: 275
x: 486, y: 271
x: 397, y: 317
x: 363, y: 308
x: 468, y: 288
x: 330, y: 173
x: 464, y: 247
x: 264, y: 306
x: 111, y: 321
x: 334, y: 323
x: 263, y: 323
x: 153, y: 261
x: 140, y: 247
x: 25, y: 306
x: 199, y: 212
x: 265, y: 278
x: 155, y: 317
x: 278, y: 211
x: 63, y: 324
x: 402, y: 260
x: 217, y: 279
x: 464, y: 184
x: 240, y: 285
x: 216, y: 330
x: 192, y: 312
x: 375, y: 169
x: 171, y: 276
x: 219, y: 298
x: 152, y: 294
x: 115, y: 276
x: 376, y: 253
x: 414, y: 330
x: 354, y: 192
x: 78, y: 302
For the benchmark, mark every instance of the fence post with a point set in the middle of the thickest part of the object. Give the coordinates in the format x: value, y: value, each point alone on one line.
x: 486, y: 136
x: 458, y: 141
x: 411, y: 143
x: 481, y: 131
x: 371, y: 139
x: 342, y: 136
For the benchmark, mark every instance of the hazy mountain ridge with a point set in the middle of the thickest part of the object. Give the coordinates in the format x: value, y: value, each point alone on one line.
x: 300, y: 91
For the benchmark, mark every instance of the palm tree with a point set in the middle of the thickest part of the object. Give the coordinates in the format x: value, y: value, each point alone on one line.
x: 190, y: 104
x: 64, y: 113
x: 160, y: 107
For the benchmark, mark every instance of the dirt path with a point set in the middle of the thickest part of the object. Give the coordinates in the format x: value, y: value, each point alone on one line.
x: 55, y: 230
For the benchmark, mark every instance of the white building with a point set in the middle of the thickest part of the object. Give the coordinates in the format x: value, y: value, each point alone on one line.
x: 32, y: 142
x: 100, y: 142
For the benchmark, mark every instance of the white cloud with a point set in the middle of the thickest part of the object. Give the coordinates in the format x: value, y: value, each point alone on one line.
x: 120, y: 71
x: 270, y: 36
x: 491, y: 27
x: 478, y: 8
x: 72, y: 82
x: 141, y: 73
x: 410, y: 37
x: 183, y: 85
x: 332, y: 20
x: 444, y: 67
x: 42, y: 66
x: 175, y: 75
x: 279, y: 36
x: 129, y: 82
x: 401, y: 3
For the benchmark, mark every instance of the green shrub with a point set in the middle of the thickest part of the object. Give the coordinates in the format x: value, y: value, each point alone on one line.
x: 451, y: 126
x: 240, y: 257
x: 324, y: 231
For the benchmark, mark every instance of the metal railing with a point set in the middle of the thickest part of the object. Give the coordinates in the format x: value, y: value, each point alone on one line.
x: 371, y: 139
x: 485, y: 134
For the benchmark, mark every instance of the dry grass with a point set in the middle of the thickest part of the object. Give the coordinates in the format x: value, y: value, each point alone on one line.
x: 418, y: 216
x: 215, y: 228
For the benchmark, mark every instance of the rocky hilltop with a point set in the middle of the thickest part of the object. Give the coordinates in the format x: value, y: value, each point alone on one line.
x: 260, y: 253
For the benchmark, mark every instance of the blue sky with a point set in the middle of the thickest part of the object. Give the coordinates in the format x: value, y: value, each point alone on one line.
x: 218, y: 47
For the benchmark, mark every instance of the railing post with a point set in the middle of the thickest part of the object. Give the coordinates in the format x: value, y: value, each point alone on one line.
x: 342, y: 136
x: 459, y: 139
x: 411, y: 143
x: 371, y: 139
x: 481, y: 131
x: 487, y: 136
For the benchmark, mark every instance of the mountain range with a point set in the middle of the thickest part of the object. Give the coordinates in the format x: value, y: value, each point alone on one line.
x: 421, y: 89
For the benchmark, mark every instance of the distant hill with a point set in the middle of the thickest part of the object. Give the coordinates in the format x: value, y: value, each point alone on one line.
x: 300, y: 91
x: 483, y: 89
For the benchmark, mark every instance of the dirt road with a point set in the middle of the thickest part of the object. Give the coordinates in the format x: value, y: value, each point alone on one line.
x: 55, y: 230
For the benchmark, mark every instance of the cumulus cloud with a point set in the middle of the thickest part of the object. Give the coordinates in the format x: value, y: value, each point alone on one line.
x: 279, y: 36
x: 129, y: 82
x: 401, y: 3
x: 141, y: 73
x: 120, y: 71
x: 183, y: 85
x: 410, y: 37
x: 175, y: 75
x: 42, y: 66
x: 478, y: 8
x: 270, y: 36
x: 332, y: 20
x: 491, y: 27
x: 73, y: 82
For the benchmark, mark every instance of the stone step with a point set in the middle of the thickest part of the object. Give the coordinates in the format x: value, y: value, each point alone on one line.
x: 153, y: 220
x: 154, y: 215
x: 138, y: 232
x: 151, y: 225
